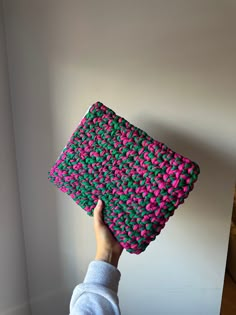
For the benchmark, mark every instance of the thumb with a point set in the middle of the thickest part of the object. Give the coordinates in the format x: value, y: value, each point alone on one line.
x: 98, y: 213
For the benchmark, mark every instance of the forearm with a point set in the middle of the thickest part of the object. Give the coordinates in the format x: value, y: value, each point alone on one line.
x: 98, y: 293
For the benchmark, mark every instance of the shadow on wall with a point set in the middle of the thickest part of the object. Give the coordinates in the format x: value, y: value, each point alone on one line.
x: 215, y: 166
x: 49, y: 272
x: 33, y: 121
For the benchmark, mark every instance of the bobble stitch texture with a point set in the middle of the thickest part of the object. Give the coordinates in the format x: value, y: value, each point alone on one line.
x: 140, y: 180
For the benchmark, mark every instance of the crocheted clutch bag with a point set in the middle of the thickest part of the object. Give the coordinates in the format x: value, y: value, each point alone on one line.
x: 140, y: 180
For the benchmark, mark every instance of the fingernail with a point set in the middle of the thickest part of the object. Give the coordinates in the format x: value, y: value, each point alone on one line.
x: 99, y: 202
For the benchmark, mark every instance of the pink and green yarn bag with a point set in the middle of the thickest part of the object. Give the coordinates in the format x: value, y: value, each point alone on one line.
x: 140, y: 180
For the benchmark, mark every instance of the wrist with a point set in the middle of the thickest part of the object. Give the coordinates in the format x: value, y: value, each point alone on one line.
x: 109, y: 257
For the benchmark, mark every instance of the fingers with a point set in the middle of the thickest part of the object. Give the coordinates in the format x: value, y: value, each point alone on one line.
x: 98, y: 213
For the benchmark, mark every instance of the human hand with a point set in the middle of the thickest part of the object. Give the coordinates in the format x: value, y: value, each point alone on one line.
x: 108, y: 248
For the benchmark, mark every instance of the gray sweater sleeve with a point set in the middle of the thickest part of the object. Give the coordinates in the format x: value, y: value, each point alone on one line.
x: 97, y: 295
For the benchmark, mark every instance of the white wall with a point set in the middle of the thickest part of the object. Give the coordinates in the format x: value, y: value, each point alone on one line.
x: 13, y: 288
x: 168, y: 67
